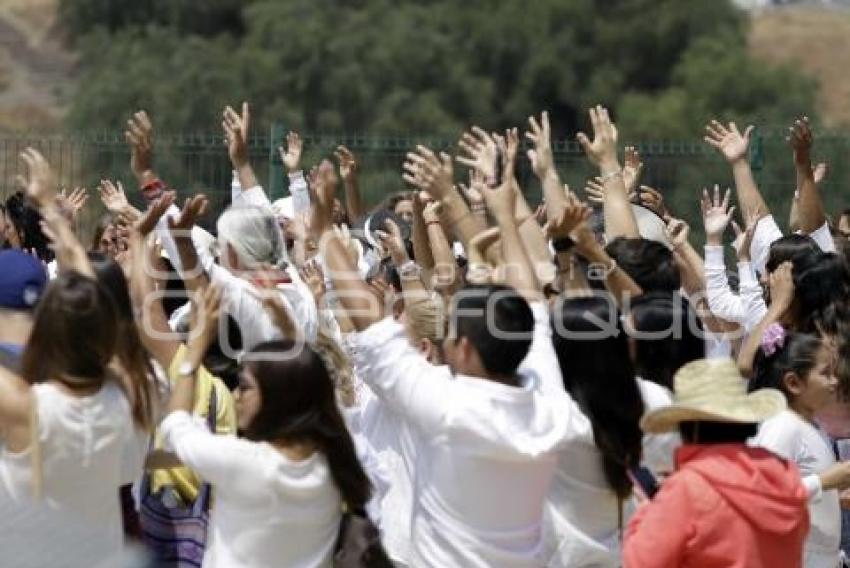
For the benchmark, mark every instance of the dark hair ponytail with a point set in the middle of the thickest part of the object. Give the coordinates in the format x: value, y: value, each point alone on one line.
x: 299, y: 405
x: 797, y: 354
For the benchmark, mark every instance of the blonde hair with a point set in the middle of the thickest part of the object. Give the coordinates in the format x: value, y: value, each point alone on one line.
x: 426, y: 318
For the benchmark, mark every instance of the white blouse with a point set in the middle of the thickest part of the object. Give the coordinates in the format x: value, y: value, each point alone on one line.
x: 269, y: 511
x: 89, y: 448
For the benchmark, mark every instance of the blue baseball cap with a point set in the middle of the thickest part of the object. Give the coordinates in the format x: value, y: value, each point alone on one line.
x: 22, y: 280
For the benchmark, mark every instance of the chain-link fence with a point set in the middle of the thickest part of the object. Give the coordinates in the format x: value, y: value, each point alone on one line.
x: 198, y: 163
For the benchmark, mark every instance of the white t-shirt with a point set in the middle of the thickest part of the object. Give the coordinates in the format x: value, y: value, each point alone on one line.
x: 790, y: 436
x: 269, y: 511
x: 486, y: 451
x: 89, y: 447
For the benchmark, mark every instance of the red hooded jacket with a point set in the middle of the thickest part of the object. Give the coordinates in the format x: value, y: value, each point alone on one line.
x: 728, y: 506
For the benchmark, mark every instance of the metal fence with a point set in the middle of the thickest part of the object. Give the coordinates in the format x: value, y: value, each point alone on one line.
x: 199, y: 163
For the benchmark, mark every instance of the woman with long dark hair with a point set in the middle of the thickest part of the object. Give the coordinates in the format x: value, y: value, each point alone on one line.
x: 69, y: 437
x: 585, y: 511
x: 280, y: 487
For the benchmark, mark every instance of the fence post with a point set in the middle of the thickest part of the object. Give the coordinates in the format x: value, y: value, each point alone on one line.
x: 757, y: 155
x: 277, y: 132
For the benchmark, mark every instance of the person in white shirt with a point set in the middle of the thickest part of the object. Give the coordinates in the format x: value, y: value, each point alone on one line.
x: 803, y: 367
x: 486, y: 434
x: 69, y: 436
x: 281, y: 486
x: 588, y: 503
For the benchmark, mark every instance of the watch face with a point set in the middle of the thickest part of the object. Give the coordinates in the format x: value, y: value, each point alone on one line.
x: 185, y: 368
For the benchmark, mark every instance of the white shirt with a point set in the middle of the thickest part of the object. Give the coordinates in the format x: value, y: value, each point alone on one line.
x: 268, y: 511
x: 90, y: 447
x: 242, y: 300
x: 767, y: 231
x: 658, y: 449
x: 791, y: 437
x: 485, y: 455
x: 747, y: 308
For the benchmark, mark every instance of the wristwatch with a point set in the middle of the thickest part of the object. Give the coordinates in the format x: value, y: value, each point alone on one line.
x: 564, y: 244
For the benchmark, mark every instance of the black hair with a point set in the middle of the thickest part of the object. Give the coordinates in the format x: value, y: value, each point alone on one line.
x: 798, y: 355
x: 820, y: 280
x: 594, y: 358
x: 26, y: 221
x: 649, y: 263
x: 498, y: 323
x: 298, y: 405
x: 708, y: 432
x: 789, y: 248
x: 676, y: 338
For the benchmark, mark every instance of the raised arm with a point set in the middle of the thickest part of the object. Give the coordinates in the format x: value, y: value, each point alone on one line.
x: 781, y: 296
x: 353, y: 294
x: 519, y: 272
x: 445, y: 271
x: 205, y: 312
x: 543, y: 164
x: 151, y: 321
x: 602, y: 152
x: 571, y: 279
x: 180, y: 228
x: 810, y: 209
x: 348, y: 167
x: 419, y: 235
x: 41, y: 190
x: 733, y: 146
x: 139, y: 136
x: 291, y: 158
x: 427, y: 171
x: 236, y: 132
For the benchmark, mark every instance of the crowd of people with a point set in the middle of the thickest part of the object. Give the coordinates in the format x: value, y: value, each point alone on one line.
x: 454, y: 378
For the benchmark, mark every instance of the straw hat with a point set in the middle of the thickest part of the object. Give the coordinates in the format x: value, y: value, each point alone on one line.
x: 713, y: 390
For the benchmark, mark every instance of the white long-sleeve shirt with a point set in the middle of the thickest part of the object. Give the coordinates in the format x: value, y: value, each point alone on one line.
x: 486, y: 452
x: 748, y: 307
x: 789, y: 436
x: 269, y: 511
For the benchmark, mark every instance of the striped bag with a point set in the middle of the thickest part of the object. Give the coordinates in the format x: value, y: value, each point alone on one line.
x: 176, y: 534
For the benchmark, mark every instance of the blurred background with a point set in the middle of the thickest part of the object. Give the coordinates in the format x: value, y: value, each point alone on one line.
x: 383, y: 75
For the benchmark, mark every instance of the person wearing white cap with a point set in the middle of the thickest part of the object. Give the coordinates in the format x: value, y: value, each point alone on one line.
x: 727, y: 504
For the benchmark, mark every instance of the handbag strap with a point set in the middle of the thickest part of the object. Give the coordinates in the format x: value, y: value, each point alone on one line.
x: 35, y: 451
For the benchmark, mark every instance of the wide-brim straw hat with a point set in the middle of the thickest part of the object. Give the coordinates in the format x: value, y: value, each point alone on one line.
x: 712, y: 390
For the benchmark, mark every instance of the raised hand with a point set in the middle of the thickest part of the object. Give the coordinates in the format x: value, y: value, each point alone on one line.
x: 632, y: 168
x: 571, y: 216
x: 193, y: 208
x: 481, y: 153
x: 602, y: 151
x: 800, y: 137
x: 716, y: 215
x: 432, y: 210
x: 291, y: 155
x: 40, y: 181
x: 236, y: 132
x: 728, y: 140
x: 206, y: 307
x: 72, y: 203
x: 428, y: 172
x: 472, y: 192
x: 313, y: 276
x: 595, y: 191
x: 744, y: 237
x: 392, y: 240
x: 347, y: 163
x: 677, y: 232
x: 541, y: 157
x: 145, y: 224
x: 139, y: 135
x: 113, y: 196
x: 653, y: 200
x: 782, y: 288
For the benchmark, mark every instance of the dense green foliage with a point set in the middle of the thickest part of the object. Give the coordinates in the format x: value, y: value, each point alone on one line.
x: 428, y: 67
